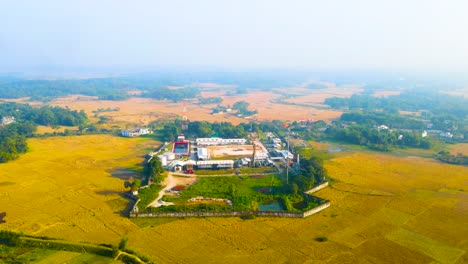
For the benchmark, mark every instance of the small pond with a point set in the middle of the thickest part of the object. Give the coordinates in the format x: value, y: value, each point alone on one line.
x: 271, y: 206
x: 335, y: 149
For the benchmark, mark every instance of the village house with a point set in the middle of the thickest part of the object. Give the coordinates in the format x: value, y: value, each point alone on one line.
x: 6, y: 120
x: 136, y: 133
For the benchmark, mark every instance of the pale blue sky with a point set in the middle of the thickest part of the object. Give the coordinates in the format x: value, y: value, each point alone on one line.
x: 325, y: 34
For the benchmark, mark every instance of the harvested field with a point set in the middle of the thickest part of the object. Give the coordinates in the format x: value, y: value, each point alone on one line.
x: 140, y: 111
x: 384, y: 209
x: 267, y: 110
x: 459, y: 148
x: 318, y: 96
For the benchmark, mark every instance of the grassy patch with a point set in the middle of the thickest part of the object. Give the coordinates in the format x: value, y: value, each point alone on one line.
x: 147, y: 195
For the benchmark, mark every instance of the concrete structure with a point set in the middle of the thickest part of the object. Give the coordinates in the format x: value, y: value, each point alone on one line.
x: 163, y: 160
x: 203, y: 154
x: 181, y: 148
x: 169, y: 155
x: 261, y: 156
x: 215, y: 164
x: 220, y: 141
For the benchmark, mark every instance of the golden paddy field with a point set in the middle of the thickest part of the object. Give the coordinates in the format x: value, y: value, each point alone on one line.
x: 385, y: 209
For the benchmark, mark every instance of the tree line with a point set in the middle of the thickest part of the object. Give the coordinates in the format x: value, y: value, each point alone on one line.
x: 13, y: 136
x: 411, y: 100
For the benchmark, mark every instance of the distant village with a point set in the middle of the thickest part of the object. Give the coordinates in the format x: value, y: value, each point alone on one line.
x: 6, y: 120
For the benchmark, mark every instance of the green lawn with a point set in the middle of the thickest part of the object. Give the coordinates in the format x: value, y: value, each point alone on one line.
x: 219, y: 187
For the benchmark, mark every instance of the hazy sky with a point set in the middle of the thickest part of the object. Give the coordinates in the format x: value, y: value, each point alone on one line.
x: 393, y: 34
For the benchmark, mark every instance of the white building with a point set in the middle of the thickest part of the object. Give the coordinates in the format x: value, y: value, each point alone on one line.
x: 446, y: 134
x: 424, y: 134
x: 203, y: 154
x: 136, y: 132
x: 130, y: 133
x: 215, y: 164
x: 286, y: 154
x: 261, y: 156
x: 220, y: 141
x: 6, y: 120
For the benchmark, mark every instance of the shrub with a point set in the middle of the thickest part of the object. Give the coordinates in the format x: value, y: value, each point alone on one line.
x: 321, y: 239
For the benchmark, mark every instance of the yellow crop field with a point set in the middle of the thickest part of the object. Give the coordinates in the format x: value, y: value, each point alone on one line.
x: 384, y: 209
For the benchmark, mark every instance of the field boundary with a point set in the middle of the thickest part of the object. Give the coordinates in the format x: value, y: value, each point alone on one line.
x: 234, y: 213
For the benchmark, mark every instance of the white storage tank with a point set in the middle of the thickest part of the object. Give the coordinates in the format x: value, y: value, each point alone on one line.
x: 169, y: 155
x: 163, y: 160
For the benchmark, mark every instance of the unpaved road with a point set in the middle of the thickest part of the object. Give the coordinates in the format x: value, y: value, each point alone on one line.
x: 169, y: 183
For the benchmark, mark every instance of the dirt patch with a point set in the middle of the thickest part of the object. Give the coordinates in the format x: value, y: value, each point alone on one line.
x: 232, y: 151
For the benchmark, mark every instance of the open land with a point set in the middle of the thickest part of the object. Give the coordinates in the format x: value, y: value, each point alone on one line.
x: 459, y: 148
x: 141, y: 111
x: 385, y: 209
x: 232, y: 151
x: 304, y: 95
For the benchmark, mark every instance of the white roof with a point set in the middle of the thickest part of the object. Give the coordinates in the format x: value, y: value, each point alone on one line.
x: 178, y: 162
x: 190, y: 162
x: 202, y: 152
x: 213, y: 162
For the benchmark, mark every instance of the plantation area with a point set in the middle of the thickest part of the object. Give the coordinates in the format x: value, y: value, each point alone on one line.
x: 384, y: 209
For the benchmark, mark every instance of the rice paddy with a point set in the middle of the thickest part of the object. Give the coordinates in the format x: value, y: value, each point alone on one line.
x: 384, y: 209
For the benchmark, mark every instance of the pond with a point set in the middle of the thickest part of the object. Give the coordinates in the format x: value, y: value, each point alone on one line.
x: 271, y: 206
x: 335, y: 149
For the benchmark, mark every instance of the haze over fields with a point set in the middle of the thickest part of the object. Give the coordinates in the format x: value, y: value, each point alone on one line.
x: 54, y: 35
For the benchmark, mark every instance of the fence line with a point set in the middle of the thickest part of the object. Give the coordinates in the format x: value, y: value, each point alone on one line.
x: 234, y: 213
x: 317, y: 188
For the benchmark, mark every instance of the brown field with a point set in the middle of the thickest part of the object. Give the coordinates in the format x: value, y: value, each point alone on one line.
x: 459, y: 148
x: 318, y: 96
x: 232, y: 151
x: 385, y: 209
x: 261, y: 101
x: 141, y: 111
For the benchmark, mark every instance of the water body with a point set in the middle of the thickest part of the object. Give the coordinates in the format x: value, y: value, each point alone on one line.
x: 335, y: 149
x: 271, y: 206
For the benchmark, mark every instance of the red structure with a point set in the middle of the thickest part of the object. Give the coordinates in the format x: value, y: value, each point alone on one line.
x: 181, y: 148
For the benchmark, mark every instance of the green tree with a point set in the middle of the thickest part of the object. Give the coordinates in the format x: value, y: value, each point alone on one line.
x: 123, y: 243
x: 294, y: 188
x: 136, y: 185
x: 154, y: 170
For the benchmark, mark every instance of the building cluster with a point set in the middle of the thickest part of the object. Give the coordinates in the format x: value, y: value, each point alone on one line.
x: 136, y: 132
x: 6, y: 120
x: 186, y: 156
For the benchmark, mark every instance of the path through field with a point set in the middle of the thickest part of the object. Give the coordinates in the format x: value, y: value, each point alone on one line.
x: 169, y: 183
